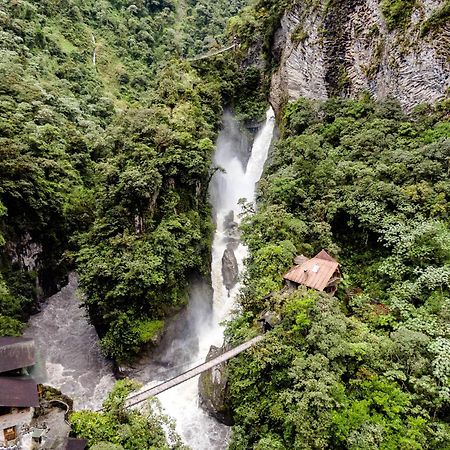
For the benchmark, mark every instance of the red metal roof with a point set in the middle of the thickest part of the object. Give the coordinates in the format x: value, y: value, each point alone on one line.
x: 300, y: 259
x: 18, y: 392
x: 324, y: 255
x: 315, y: 273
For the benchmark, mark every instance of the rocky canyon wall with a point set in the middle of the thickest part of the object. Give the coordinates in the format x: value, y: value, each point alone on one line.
x: 345, y: 47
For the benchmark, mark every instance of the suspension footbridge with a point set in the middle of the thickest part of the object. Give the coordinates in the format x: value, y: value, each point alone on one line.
x: 210, y: 54
x: 146, y: 392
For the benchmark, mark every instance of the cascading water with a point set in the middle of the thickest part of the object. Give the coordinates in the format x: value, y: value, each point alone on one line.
x: 69, y: 356
x: 68, y: 345
x: 197, y: 428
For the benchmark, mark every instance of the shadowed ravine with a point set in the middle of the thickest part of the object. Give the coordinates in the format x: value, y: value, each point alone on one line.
x: 198, y: 430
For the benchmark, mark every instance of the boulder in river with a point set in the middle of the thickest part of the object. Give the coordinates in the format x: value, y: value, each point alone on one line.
x: 231, y: 231
x: 213, y: 387
x: 228, y: 221
x: 230, y: 269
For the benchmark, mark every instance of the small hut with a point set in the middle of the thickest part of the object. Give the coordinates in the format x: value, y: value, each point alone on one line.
x: 18, y: 398
x: 320, y: 272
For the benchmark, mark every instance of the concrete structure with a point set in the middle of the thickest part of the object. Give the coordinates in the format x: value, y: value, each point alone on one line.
x: 18, y: 398
x: 13, y: 422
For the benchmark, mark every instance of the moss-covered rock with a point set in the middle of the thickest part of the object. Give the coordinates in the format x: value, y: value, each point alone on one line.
x: 213, y: 387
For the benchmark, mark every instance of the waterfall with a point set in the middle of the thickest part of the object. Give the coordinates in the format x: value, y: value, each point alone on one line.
x: 69, y: 345
x: 197, y: 428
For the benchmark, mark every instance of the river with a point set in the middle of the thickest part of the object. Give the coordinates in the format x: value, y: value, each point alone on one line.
x: 69, y: 355
x: 68, y: 344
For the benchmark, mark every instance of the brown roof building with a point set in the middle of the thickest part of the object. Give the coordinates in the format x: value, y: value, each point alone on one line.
x: 321, y: 272
x: 18, y: 395
x: 16, y: 353
x: 18, y: 392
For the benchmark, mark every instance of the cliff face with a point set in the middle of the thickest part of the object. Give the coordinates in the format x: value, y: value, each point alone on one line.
x: 345, y: 48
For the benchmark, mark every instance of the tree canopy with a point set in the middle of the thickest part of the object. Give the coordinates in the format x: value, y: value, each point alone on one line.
x: 117, y: 428
x: 370, y: 367
x: 106, y: 143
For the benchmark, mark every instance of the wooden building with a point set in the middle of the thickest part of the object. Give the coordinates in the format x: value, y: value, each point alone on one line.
x: 18, y: 394
x: 320, y: 272
x: 18, y: 398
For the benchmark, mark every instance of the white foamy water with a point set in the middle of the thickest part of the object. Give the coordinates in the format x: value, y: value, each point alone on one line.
x: 197, y: 428
x: 69, y: 354
x: 69, y: 357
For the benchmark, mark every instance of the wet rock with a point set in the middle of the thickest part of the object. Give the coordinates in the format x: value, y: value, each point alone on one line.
x: 232, y: 243
x: 271, y: 317
x: 268, y: 320
x: 52, y: 397
x: 228, y: 221
x: 213, y: 389
x: 53, y: 420
x: 33, y: 257
x: 24, y: 252
x: 231, y: 231
x: 120, y: 372
x: 230, y: 269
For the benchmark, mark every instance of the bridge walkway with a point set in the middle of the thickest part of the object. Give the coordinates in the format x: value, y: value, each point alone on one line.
x: 209, y: 55
x: 144, y: 393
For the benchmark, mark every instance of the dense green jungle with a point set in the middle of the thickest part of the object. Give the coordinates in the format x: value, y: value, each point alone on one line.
x: 107, y: 132
x: 107, y: 136
x: 368, y: 368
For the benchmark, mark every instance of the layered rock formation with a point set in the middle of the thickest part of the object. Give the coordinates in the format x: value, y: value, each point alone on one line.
x: 230, y: 269
x: 26, y: 254
x: 345, y: 48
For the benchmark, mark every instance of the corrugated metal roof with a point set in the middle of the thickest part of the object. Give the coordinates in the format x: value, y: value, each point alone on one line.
x: 315, y: 272
x: 16, y: 353
x: 324, y: 255
x: 18, y: 392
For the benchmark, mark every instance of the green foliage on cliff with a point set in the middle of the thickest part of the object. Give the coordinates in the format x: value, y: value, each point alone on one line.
x: 397, y: 13
x: 257, y: 23
x: 370, y: 367
x: 437, y: 19
x: 11, y: 311
x: 152, y: 221
x: 117, y: 427
x: 106, y: 141
x: 324, y: 380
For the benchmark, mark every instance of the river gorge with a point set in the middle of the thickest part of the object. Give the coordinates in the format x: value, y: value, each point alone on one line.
x: 70, y: 358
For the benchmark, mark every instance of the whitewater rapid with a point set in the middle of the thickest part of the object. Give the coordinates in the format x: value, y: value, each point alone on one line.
x: 197, y: 428
x: 69, y: 354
